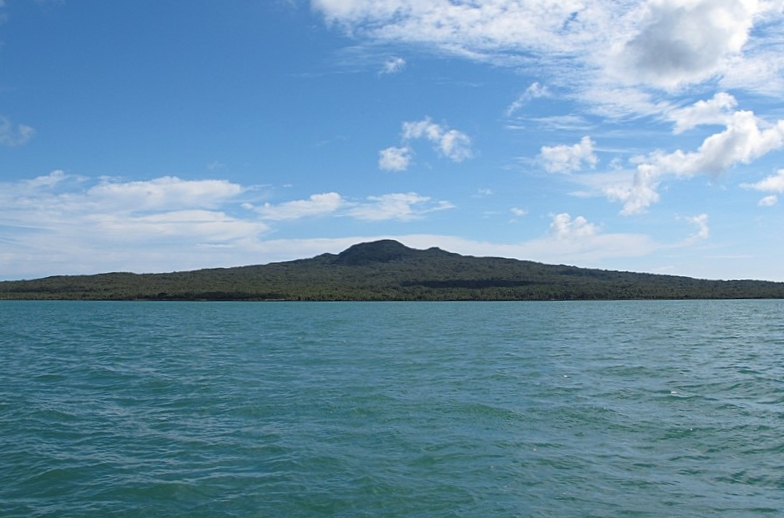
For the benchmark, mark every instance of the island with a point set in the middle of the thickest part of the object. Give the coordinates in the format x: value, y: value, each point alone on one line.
x: 387, y: 270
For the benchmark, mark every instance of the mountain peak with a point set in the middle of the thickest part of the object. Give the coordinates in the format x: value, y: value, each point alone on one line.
x: 383, y: 251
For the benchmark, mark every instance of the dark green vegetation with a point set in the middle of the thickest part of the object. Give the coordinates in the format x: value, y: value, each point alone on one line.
x: 388, y: 270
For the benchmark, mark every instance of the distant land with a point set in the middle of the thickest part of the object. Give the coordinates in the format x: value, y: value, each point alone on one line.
x: 388, y: 270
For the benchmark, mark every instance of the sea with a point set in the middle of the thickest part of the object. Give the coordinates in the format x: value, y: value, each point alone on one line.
x: 360, y: 409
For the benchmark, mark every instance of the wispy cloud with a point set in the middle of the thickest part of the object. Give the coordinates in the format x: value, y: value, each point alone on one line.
x: 393, y: 65
x: 315, y: 205
x: 11, y: 135
x: 387, y: 207
x: 701, y: 222
x: 534, y: 91
x: 606, y: 52
x: 73, y: 224
x: 397, y: 206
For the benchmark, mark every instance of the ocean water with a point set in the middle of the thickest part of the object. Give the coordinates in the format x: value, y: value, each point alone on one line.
x: 551, y: 409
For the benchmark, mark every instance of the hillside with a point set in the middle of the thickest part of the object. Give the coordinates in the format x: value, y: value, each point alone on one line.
x: 388, y: 270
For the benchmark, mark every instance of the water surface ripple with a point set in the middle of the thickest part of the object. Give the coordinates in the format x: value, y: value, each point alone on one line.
x: 392, y: 409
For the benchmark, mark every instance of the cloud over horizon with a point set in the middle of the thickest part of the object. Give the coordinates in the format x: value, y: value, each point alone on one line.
x: 116, y: 219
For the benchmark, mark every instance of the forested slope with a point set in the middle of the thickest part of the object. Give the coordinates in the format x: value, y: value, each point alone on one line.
x: 388, y: 270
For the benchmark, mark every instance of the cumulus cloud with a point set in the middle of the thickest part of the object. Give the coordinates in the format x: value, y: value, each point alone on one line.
x: 565, y: 159
x: 746, y: 138
x: 450, y: 143
x: 395, y: 158
x: 564, y: 226
x: 717, y: 110
x: 681, y: 42
x: 773, y: 184
x: 13, y: 136
x: 576, y: 240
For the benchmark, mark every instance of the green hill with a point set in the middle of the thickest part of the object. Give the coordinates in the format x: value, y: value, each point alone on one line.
x: 388, y: 270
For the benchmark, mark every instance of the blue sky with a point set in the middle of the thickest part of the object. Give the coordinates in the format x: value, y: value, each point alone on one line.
x: 152, y: 136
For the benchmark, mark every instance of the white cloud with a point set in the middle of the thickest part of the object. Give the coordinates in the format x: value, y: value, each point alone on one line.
x: 393, y: 65
x: 14, y: 136
x: 315, y: 205
x: 57, y: 197
x: 454, y: 145
x: 534, y: 91
x: 679, y: 42
x: 165, y: 193
x: 568, y: 240
x: 425, y: 128
x: 472, y: 27
x: 563, y: 123
x: 394, y: 158
x: 397, y: 206
x: 564, y: 226
x: 701, y: 222
x: 59, y: 223
x: 66, y: 224
x: 773, y: 183
x: 745, y: 139
x: 172, y: 227
x: 581, y: 243
x: 565, y: 159
x: 49, y: 180
x: 589, y: 48
x: 637, y: 193
x: 717, y: 110
x: 519, y: 212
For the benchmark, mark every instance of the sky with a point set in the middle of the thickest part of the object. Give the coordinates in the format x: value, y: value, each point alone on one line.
x: 162, y: 135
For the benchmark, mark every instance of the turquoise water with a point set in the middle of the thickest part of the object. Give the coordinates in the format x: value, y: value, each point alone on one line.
x: 392, y: 409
